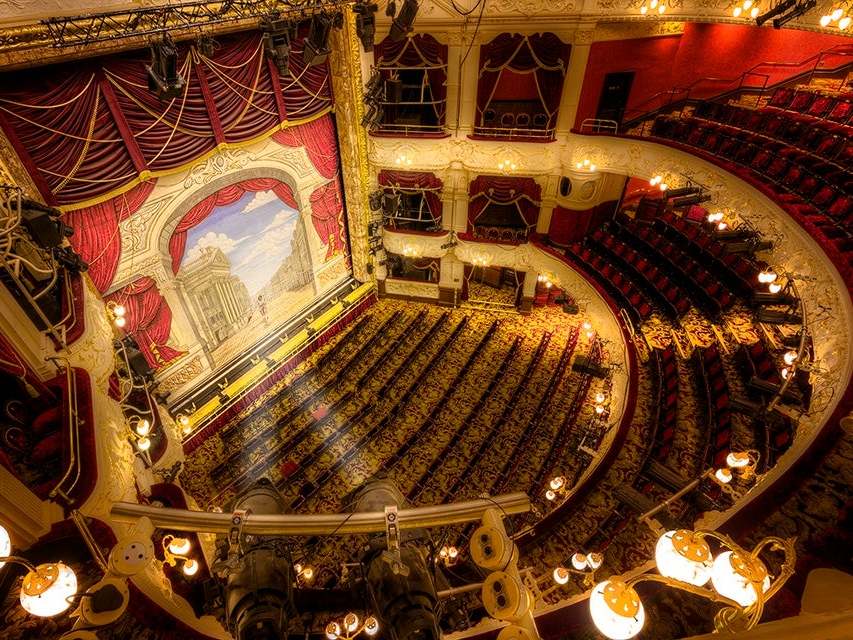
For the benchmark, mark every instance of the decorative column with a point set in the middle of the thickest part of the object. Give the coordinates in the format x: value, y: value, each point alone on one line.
x: 573, y: 83
x: 347, y: 64
x: 456, y: 190
x: 455, y: 51
x: 549, y: 201
x: 467, y: 89
x: 450, y: 283
x: 528, y: 291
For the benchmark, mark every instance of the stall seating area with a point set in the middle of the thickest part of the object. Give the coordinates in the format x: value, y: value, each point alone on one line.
x: 797, y: 150
x: 714, y: 390
x: 420, y: 394
x: 666, y: 401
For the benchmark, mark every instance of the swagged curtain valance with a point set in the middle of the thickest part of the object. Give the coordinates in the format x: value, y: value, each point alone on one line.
x: 92, y: 128
x: 542, y: 54
x: 415, y: 182
x: 524, y: 193
x: 420, y: 51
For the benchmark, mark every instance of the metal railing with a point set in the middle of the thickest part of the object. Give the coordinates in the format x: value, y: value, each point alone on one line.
x: 69, y: 480
x: 598, y: 125
x: 406, y: 129
x: 514, y: 132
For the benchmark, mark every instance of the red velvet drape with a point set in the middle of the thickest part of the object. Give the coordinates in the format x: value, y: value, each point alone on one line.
x: 414, y: 181
x: 227, y: 195
x: 421, y: 50
x: 149, y: 320
x: 327, y: 214
x: 542, y: 54
x: 320, y: 142
x: 525, y: 193
x: 86, y: 129
x: 96, y: 234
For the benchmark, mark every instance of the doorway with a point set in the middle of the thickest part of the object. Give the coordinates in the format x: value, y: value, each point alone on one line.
x: 614, y: 96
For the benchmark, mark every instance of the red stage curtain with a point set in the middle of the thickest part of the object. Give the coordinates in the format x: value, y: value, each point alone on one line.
x: 320, y: 142
x: 421, y: 50
x: 226, y: 195
x: 542, y: 54
x: 525, y: 193
x: 149, y: 320
x: 414, y: 181
x: 87, y: 129
x: 327, y: 214
x: 96, y: 234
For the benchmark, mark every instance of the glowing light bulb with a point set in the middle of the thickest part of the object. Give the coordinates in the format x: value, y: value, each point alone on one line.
x: 592, y: 167
x: 737, y: 459
x: 790, y: 357
x: 333, y: 631
x: 653, y: 4
x: 119, y: 310
x: 558, y: 483
x: 143, y: 444
x: 616, y: 610
x: 594, y: 560
x: 774, y: 287
x: 5, y: 544
x: 685, y: 556
x: 825, y: 20
x: 561, y: 575
x: 190, y: 567
x: 737, y: 11
x: 664, y: 186
x: 47, y: 590
x: 578, y: 165
x: 586, y: 162
x: 739, y: 578
x: 747, y: 4
x: 722, y: 226
x: 785, y: 373
x: 180, y: 546
x: 599, y: 397
x: 844, y: 23
x: 350, y: 622
x: 453, y: 553
x: 767, y: 276
x: 579, y: 561
x: 599, y: 409
x: 550, y: 495
x: 836, y: 14
x: 120, y: 322
x: 753, y: 13
x: 723, y: 475
x: 371, y: 626
x: 586, y: 325
x: 661, y: 8
x: 143, y: 427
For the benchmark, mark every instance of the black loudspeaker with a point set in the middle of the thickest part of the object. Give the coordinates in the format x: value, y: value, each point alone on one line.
x: 317, y: 43
x: 43, y: 224
x: 138, y: 364
x: 585, y: 365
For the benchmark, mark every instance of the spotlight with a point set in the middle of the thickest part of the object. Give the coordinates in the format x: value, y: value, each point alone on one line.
x: 800, y: 9
x: 317, y: 43
x: 163, y: 76
x: 780, y: 8
x: 402, y: 24
x: 206, y: 46
x: 277, y: 37
x: 365, y: 24
x: 43, y: 224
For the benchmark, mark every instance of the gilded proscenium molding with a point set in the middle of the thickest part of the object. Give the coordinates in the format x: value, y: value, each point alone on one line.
x: 13, y: 172
x: 348, y: 88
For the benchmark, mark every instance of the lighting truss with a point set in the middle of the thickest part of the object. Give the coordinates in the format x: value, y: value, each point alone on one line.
x: 113, y: 25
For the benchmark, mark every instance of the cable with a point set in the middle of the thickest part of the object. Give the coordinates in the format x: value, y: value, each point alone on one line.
x: 476, y: 30
x: 466, y: 13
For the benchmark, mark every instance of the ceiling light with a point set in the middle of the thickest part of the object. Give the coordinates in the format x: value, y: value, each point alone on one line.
x: 47, y: 590
x: 685, y: 556
x: 401, y: 25
x: 616, y: 610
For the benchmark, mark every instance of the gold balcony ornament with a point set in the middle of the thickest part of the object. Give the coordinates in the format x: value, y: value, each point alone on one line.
x: 351, y: 626
x: 47, y: 589
x: 739, y: 579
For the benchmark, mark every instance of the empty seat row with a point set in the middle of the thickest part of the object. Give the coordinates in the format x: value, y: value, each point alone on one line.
x: 713, y: 383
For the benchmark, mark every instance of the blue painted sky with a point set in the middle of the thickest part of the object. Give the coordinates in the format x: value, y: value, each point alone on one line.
x: 255, y: 233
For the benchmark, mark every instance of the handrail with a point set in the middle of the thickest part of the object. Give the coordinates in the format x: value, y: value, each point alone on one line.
x: 800, y: 351
x: 597, y: 125
x: 74, y: 456
x: 509, y: 132
x: 327, y: 524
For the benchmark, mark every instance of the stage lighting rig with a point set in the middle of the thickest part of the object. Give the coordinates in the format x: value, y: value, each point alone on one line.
x: 365, y: 24
x: 401, y: 25
x: 778, y: 10
x: 373, y: 96
x: 799, y: 9
x: 206, y: 45
x: 163, y: 77
x: 278, y: 35
x: 317, y: 48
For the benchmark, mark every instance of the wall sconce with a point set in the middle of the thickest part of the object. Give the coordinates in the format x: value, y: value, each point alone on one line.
x: 739, y: 580
x: 480, y: 261
x: 449, y: 555
x: 505, y: 166
x: 403, y: 160
x: 746, y: 8
x: 351, y: 626
x: 410, y: 251
x: 304, y: 573
x: 838, y: 15
x: 557, y: 487
x: 176, y: 550
x: 658, y: 182
x: 184, y: 422
x: 586, y: 165
x: 117, y: 313
x: 140, y: 429
x: 587, y: 327
x: 653, y: 5
x: 546, y: 279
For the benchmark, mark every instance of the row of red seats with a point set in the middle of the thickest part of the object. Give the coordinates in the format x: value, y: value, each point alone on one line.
x: 667, y: 401
x: 709, y: 366
x: 611, y: 278
x: 656, y: 282
x: 837, y: 107
x: 696, y: 237
x: 705, y: 288
x: 824, y: 139
x: 756, y: 363
x: 822, y: 204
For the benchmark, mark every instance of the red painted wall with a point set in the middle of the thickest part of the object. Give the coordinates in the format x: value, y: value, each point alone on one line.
x: 703, y: 50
